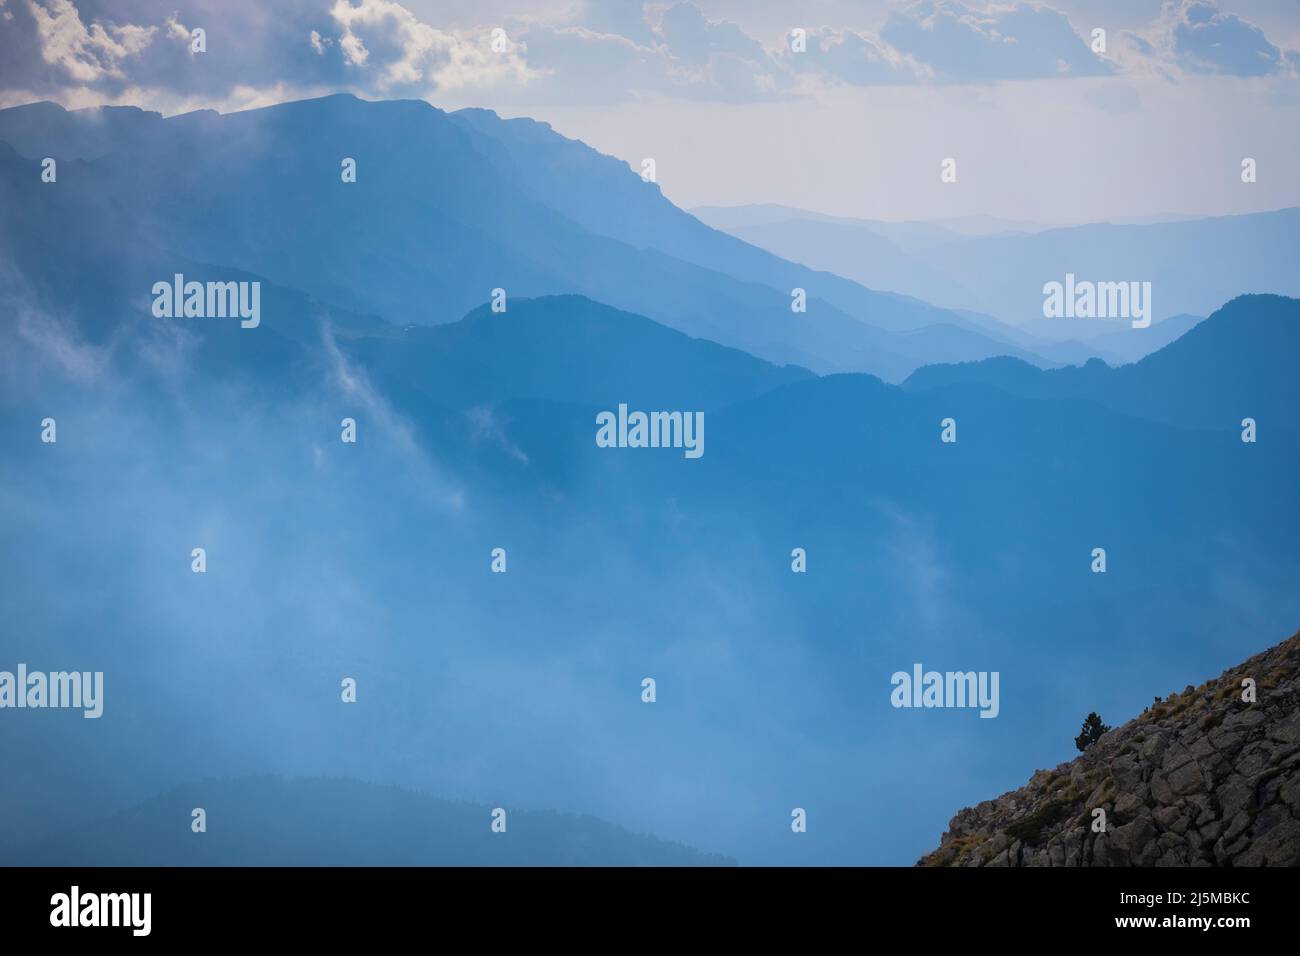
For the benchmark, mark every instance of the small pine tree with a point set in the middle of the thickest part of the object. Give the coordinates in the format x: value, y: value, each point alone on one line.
x: 1092, y: 730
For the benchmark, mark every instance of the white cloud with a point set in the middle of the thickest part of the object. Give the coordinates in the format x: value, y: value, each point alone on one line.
x: 962, y: 44
x: 85, y: 54
x: 856, y: 58
x: 566, y: 52
x: 419, y: 56
x: 376, y: 413
x: 176, y: 30
x: 1200, y: 38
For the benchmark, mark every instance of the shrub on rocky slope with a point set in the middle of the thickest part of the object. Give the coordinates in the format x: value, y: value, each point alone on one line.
x: 1206, y: 777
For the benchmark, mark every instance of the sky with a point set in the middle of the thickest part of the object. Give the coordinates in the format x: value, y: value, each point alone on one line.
x: 1043, y: 127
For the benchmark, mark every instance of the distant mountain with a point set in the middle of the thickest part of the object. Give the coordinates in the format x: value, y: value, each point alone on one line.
x: 1117, y: 343
x: 81, y: 134
x: 910, y: 235
x: 277, y: 821
x: 475, y: 432
x: 895, y: 256
x: 1194, y: 264
x: 1201, y: 778
x: 855, y: 251
x: 1238, y: 363
x: 446, y: 208
x: 372, y: 560
x: 599, y: 193
x: 568, y: 349
x: 991, y: 226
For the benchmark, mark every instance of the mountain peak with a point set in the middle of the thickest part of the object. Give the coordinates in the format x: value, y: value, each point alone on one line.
x: 38, y: 108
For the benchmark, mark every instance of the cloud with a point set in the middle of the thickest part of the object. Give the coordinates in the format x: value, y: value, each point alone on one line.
x: 1019, y: 42
x: 58, y: 343
x: 576, y: 65
x: 717, y: 58
x: 1202, y: 39
x: 856, y: 59
x: 604, y: 52
x: 576, y: 52
x: 84, y: 53
x: 103, y: 50
x: 692, y: 39
x: 107, y: 51
x: 625, y: 18
x: 47, y: 45
x: 488, y: 427
x: 414, y: 57
x: 683, y: 55
x: 352, y: 382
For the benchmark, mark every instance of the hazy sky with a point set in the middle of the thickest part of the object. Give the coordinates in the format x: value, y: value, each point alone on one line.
x: 1042, y: 127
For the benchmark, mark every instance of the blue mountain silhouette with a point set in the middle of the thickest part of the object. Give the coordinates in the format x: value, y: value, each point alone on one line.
x: 476, y: 431
x: 1236, y: 364
x: 1194, y: 265
x: 443, y: 211
x: 275, y: 821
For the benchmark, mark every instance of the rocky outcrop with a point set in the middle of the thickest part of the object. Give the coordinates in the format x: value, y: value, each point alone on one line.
x: 1201, y: 778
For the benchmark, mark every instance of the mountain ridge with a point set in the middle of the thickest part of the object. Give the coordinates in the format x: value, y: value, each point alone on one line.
x: 1187, y: 382
x: 1201, y: 778
x: 441, y: 213
x: 1002, y: 273
x: 276, y: 820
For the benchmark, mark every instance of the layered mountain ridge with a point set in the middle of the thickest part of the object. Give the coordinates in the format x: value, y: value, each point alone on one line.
x: 445, y: 208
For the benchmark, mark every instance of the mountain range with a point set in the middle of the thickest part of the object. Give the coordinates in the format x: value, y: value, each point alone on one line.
x: 999, y: 268
x: 274, y: 821
x: 475, y: 431
x: 444, y: 209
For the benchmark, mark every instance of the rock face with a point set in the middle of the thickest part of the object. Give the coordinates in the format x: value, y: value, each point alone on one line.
x: 1202, y: 778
